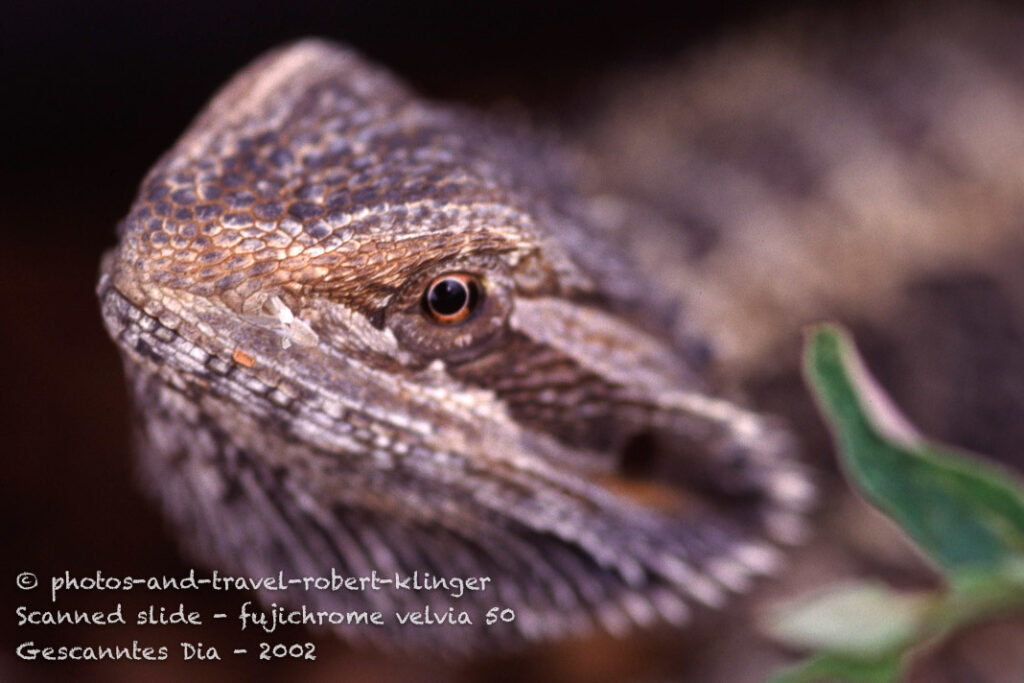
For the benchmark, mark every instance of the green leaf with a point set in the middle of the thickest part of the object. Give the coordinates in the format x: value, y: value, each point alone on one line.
x: 962, y: 512
x: 864, y: 621
x: 832, y: 667
x: 978, y: 593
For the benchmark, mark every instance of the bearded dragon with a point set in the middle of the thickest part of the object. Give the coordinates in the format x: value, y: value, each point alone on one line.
x: 364, y: 331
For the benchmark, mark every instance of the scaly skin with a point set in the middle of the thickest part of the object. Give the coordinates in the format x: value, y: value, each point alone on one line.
x: 300, y: 409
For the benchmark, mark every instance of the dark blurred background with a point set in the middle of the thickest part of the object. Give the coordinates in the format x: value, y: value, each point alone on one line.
x: 93, y: 93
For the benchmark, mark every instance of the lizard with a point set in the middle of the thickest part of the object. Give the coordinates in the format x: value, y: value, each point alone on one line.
x: 369, y: 332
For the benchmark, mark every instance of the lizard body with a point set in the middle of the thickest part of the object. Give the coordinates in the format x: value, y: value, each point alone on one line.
x: 817, y: 166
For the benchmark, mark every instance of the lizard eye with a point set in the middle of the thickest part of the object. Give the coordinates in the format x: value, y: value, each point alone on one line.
x: 454, y: 311
x: 452, y: 297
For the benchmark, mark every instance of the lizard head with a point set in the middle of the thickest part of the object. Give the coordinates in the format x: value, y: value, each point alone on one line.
x: 364, y: 332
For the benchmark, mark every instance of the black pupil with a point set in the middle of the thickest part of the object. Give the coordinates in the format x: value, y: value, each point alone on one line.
x: 449, y: 296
